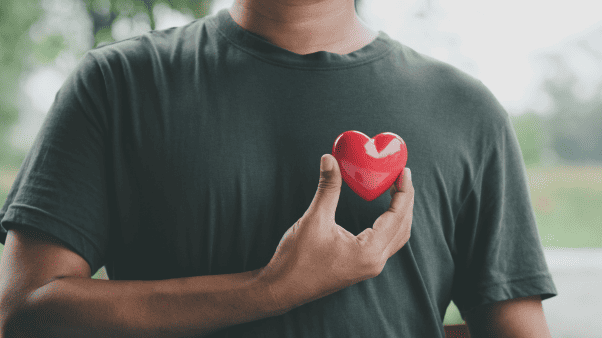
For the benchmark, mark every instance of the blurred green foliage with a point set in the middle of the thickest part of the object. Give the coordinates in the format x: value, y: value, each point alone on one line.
x: 104, y: 12
x: 47, y: 50
x: 16, y: 16
x: 530, y: 133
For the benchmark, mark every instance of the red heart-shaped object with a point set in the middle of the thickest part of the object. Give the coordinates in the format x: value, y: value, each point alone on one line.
x: 370, y: 166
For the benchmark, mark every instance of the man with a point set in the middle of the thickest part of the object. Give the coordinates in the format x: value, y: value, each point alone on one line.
x: 180, y: 158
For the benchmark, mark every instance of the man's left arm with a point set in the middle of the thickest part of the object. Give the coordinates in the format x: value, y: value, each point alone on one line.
x: 514, y: 318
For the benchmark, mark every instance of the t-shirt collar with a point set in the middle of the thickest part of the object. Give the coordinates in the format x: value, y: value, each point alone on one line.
x: 254, y: 44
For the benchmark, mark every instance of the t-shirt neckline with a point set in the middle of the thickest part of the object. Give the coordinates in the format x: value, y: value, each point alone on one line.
x: 260, y: 47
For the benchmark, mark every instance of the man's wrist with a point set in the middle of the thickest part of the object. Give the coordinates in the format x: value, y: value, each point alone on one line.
x: 271, y: 294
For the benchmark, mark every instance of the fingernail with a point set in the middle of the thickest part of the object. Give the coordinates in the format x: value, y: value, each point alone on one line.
x: 409, y: 174
x: 325, y: 164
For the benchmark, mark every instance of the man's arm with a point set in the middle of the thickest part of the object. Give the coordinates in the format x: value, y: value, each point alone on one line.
x: 514, y: 318
x: 83, y: 307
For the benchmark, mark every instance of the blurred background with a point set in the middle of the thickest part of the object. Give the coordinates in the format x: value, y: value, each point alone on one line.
x: 541, y: 59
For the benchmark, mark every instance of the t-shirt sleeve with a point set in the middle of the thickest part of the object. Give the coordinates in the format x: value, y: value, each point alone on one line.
x: 61, y: 186
x: 499, y: 252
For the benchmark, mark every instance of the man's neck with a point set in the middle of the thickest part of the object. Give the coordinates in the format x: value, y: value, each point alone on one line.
x: 338, y: 31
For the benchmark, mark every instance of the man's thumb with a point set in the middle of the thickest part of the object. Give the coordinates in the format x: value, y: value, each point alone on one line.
x: 329, y: 187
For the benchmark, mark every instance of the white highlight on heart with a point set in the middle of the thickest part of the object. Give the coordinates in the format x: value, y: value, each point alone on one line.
x: 391, y: 148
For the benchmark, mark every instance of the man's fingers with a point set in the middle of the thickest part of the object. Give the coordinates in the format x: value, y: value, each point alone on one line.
x: 403, y: 184
x: 392, y: 227
x: 400, y: 183
x: 404, y: 227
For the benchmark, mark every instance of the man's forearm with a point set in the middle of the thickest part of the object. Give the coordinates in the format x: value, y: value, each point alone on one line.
x: 79, y: 307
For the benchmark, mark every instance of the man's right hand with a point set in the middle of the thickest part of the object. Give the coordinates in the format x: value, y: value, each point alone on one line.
x: 317, y: 257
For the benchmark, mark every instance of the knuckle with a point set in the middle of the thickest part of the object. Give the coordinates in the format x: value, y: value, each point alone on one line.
x: 365, y: 258
x: 327, y: 183
x: 369, y: 269
x: 374, y: 262
x: 377, y: 268
x: 408, y: 232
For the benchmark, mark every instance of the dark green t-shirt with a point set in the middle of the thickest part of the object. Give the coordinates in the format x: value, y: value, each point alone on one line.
x: 191, y: 150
